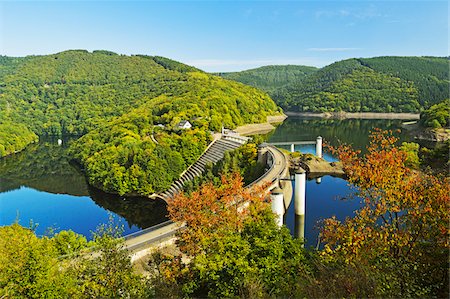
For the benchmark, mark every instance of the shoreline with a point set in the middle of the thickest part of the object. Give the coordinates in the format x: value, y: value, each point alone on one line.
x: 261, y: 128
x: 356, y: 115
x: 427, y: 134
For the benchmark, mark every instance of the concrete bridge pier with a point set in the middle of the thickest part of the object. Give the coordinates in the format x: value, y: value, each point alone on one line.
x: 319, y: 147
x: 299, y: 202
x: 299, y: 191
x: 278, y: 205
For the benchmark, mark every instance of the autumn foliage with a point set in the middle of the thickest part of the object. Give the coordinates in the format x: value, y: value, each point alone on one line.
x: 212, y: 210
x: 232, y: 247
x: 402, y: 227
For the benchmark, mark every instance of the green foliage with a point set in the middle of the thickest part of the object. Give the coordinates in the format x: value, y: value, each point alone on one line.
x: 29, y: 266
x: 242, y: 160
x: 72, y: 92
x: 14, y: 138
x: 437, y: 116
x: 174, y: 65
x: 290, y: 97
x: 412, y: 154
x: 109, y: 274
x: 429, y: 74
x: 438, y: 158
x: 351, y: 87
x: 32, y: 267
x: 269, y: 78
x: 121, y: 100
x: 69, y: 242
x: 234, y: 250
x: 105, y: 52
x: 123, y: 157
x: 75, y: 91
x: 260, y: 261
x: 381, y: 84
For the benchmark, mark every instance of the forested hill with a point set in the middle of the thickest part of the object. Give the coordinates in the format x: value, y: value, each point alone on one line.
x: 121, y: 100
x: 269, y: 78
x: 380, y: 84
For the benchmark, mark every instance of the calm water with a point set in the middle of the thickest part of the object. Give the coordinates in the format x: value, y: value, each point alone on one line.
x: 333, y: 196
x: 40, y: 185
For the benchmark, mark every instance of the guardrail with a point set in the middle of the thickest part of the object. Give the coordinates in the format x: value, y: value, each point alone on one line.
x: 169, y: 234
x: 159, y: 238
x: 283, y: 162
x: 293, y: 142
x: 147, y: 230
x: 272, y: 149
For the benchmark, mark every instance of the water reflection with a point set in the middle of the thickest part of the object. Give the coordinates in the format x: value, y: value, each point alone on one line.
x: 139, y: 211
x: 299, y: 227
x: 40, y: 184
x: 327, y: 196
x: 332, y: 197
x: 334, y: 131
x: 43, y: 166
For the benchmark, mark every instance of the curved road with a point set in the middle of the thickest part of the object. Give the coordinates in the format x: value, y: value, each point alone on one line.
x: 166, y: 231
x: 278, y: 169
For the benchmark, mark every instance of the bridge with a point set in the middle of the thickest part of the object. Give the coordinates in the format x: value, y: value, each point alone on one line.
x: 164, y: 233
x: 317, y: 142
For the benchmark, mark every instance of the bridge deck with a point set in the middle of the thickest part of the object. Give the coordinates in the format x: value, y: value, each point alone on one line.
x: 277, y: 169
x: 293, y: 142
x: 151, y: 235
x: 166, y: 230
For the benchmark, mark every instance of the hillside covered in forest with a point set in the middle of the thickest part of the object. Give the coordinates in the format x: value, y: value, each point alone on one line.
x: 380, y: 84
x: 127, y: 108
x: 272, y: 77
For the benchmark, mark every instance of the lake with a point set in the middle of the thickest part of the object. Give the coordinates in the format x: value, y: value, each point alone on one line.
x: 332, y: 196
x: 39, y: 185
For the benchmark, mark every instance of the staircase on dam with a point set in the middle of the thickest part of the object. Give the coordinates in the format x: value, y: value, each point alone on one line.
x: 212, y: 155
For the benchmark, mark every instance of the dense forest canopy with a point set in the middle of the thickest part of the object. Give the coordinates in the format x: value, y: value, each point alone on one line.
x: 269, y: 78
x: 429, y: 74
x: 74, y: 91
x: 128, y: 108
x: 14, y: 138
x: 380, y: 84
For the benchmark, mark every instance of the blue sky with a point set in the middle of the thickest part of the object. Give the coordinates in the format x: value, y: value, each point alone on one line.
x: 228, y: 35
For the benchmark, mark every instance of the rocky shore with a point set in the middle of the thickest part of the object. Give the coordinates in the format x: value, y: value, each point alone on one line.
x: 315, y: 166
x: 429, y: 134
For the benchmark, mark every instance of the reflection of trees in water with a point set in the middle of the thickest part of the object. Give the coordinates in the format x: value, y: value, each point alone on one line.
x: 352, y: 131
x: 140, y: 211
x: 43, y: 166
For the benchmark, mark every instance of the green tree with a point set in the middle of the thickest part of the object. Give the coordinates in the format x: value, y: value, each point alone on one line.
x: 412, y: 154
x: 234, y: 246
x: 29, y: 266
x: 108, y: 272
